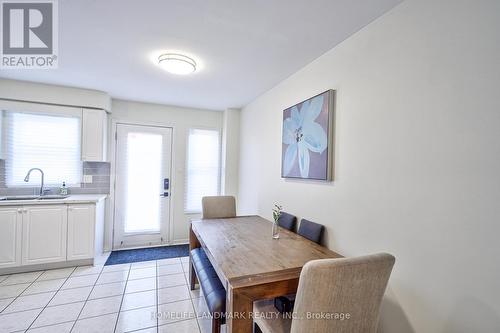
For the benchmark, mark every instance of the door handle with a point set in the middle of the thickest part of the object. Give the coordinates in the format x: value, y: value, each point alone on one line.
x: 164, y: 194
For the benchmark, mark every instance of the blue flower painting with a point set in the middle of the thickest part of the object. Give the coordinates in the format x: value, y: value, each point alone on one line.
x: 306, y: 130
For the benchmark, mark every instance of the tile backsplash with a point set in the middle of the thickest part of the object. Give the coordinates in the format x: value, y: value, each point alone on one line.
x: 100, y: 172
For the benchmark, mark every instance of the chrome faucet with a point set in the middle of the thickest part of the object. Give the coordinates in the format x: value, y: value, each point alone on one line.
x: 27, y: 178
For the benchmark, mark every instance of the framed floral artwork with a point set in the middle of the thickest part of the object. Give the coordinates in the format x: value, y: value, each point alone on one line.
x: 307, y: 143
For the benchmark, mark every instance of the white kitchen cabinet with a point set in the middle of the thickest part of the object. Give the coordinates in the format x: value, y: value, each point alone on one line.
x: 94, y: 135
x: 81, y: 231
x: 61, y: 233
x: 44, y: 234
x: 11, y: 227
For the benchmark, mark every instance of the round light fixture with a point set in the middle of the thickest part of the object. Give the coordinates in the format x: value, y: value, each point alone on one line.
x: 177, y: 63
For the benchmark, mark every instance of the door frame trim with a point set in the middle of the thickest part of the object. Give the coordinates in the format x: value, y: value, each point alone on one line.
x: 112, y: 201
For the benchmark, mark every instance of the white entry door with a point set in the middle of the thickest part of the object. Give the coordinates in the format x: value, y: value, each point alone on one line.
x: 142, y: 190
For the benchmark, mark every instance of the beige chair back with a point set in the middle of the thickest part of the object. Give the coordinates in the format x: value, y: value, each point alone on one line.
x: 341, y: 288
x: 218, y: 207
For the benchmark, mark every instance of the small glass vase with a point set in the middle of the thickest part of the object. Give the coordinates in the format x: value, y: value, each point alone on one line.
x: 276, y: 230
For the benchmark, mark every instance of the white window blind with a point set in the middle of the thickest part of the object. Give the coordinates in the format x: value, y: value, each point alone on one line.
x: 203, y: 167
x: 51, y: 143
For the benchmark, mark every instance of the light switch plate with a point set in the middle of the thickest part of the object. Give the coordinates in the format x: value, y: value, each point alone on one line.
x: 87, y: 179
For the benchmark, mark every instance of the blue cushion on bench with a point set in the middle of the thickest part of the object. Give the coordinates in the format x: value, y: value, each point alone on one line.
x: 213, y: 290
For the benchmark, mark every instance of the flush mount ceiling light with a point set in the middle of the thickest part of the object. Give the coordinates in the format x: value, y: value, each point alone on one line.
x: 176, y: 63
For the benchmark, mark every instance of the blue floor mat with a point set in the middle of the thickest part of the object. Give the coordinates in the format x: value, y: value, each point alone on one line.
x: 153, y: 253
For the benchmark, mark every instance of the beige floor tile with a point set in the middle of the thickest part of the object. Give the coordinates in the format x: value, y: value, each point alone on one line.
x: 140, y: 285
x: 58, y: 314
x: 139, y: 300
x: 200, y: 306
x: 80, y: 281
x: 185, y: 326
x: 170, y: 269
x: 142, y: 273
x: 30, y: 302
x: 101, y: 306
x: 148, y: 330
x: 171, y: 280
x: 136, y: 319
x: 58, y: 328
x: 176, y: 311
x: 87, y: 270
x: 114, y: 268
x: 53, y: 274
x: 107, y: 290
x: 44, y: 286
x: 112, y: 277
x: 205, y: 325
x: 101, y: 324
x: 17, y: 321
x: 71, y: 296
x: 143, y: 264
x: 5, y: 302
x: 21, y: 278
x: 173, y: 294
x: 12, y: 291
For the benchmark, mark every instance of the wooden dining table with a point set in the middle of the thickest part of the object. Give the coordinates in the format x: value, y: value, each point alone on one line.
x: 251, y: 264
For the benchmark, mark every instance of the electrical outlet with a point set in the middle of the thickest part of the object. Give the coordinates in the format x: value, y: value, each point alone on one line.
x: 87, y: 179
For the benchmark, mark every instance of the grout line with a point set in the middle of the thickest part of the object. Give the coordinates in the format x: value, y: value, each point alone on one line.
x: 85, y: 302
x: 16, y: 297
x: 64, y: 322
x: 93, y: 286
x: 121, y: 302
x: 62, y: 284
x: 191, y: 296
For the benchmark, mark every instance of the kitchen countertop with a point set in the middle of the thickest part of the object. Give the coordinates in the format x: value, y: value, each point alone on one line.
x: 72, y: 199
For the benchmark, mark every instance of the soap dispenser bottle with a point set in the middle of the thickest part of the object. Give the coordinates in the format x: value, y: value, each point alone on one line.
x: 63, y: 190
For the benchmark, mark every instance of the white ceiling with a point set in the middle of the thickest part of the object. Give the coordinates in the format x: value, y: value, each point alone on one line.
x: 244, y: 47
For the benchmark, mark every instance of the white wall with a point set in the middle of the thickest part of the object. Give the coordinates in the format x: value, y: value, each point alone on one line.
x: 230, y: 151
x: 181, y: 119
x: 417, y: 159
x: 53, y: 94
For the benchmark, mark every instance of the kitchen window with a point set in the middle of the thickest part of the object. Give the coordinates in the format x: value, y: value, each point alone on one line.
x: 203, y: 167
x: 48, y: 142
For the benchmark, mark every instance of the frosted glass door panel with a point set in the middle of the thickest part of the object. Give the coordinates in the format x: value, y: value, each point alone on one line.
x: 143, y: 158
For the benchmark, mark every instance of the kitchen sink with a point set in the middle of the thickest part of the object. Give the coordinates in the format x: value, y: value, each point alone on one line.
x: 52, y: 197
x: 21, y: 197
x: 33, y: 197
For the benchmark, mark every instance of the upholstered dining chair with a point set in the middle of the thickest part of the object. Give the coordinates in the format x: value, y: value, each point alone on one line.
x: 287, y: 221
x: 349, y: 290
x: 218, y: 207
x: 311, y: 230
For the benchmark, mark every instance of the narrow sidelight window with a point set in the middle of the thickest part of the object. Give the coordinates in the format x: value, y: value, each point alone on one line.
x: 203, y: 167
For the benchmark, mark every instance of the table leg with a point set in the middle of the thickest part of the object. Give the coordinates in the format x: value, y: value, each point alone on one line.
x: 193, y: 244
x: 239, y: 301
x: 239, y: 310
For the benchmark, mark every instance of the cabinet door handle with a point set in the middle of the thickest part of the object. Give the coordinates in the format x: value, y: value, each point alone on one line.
x: 19, y: 210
